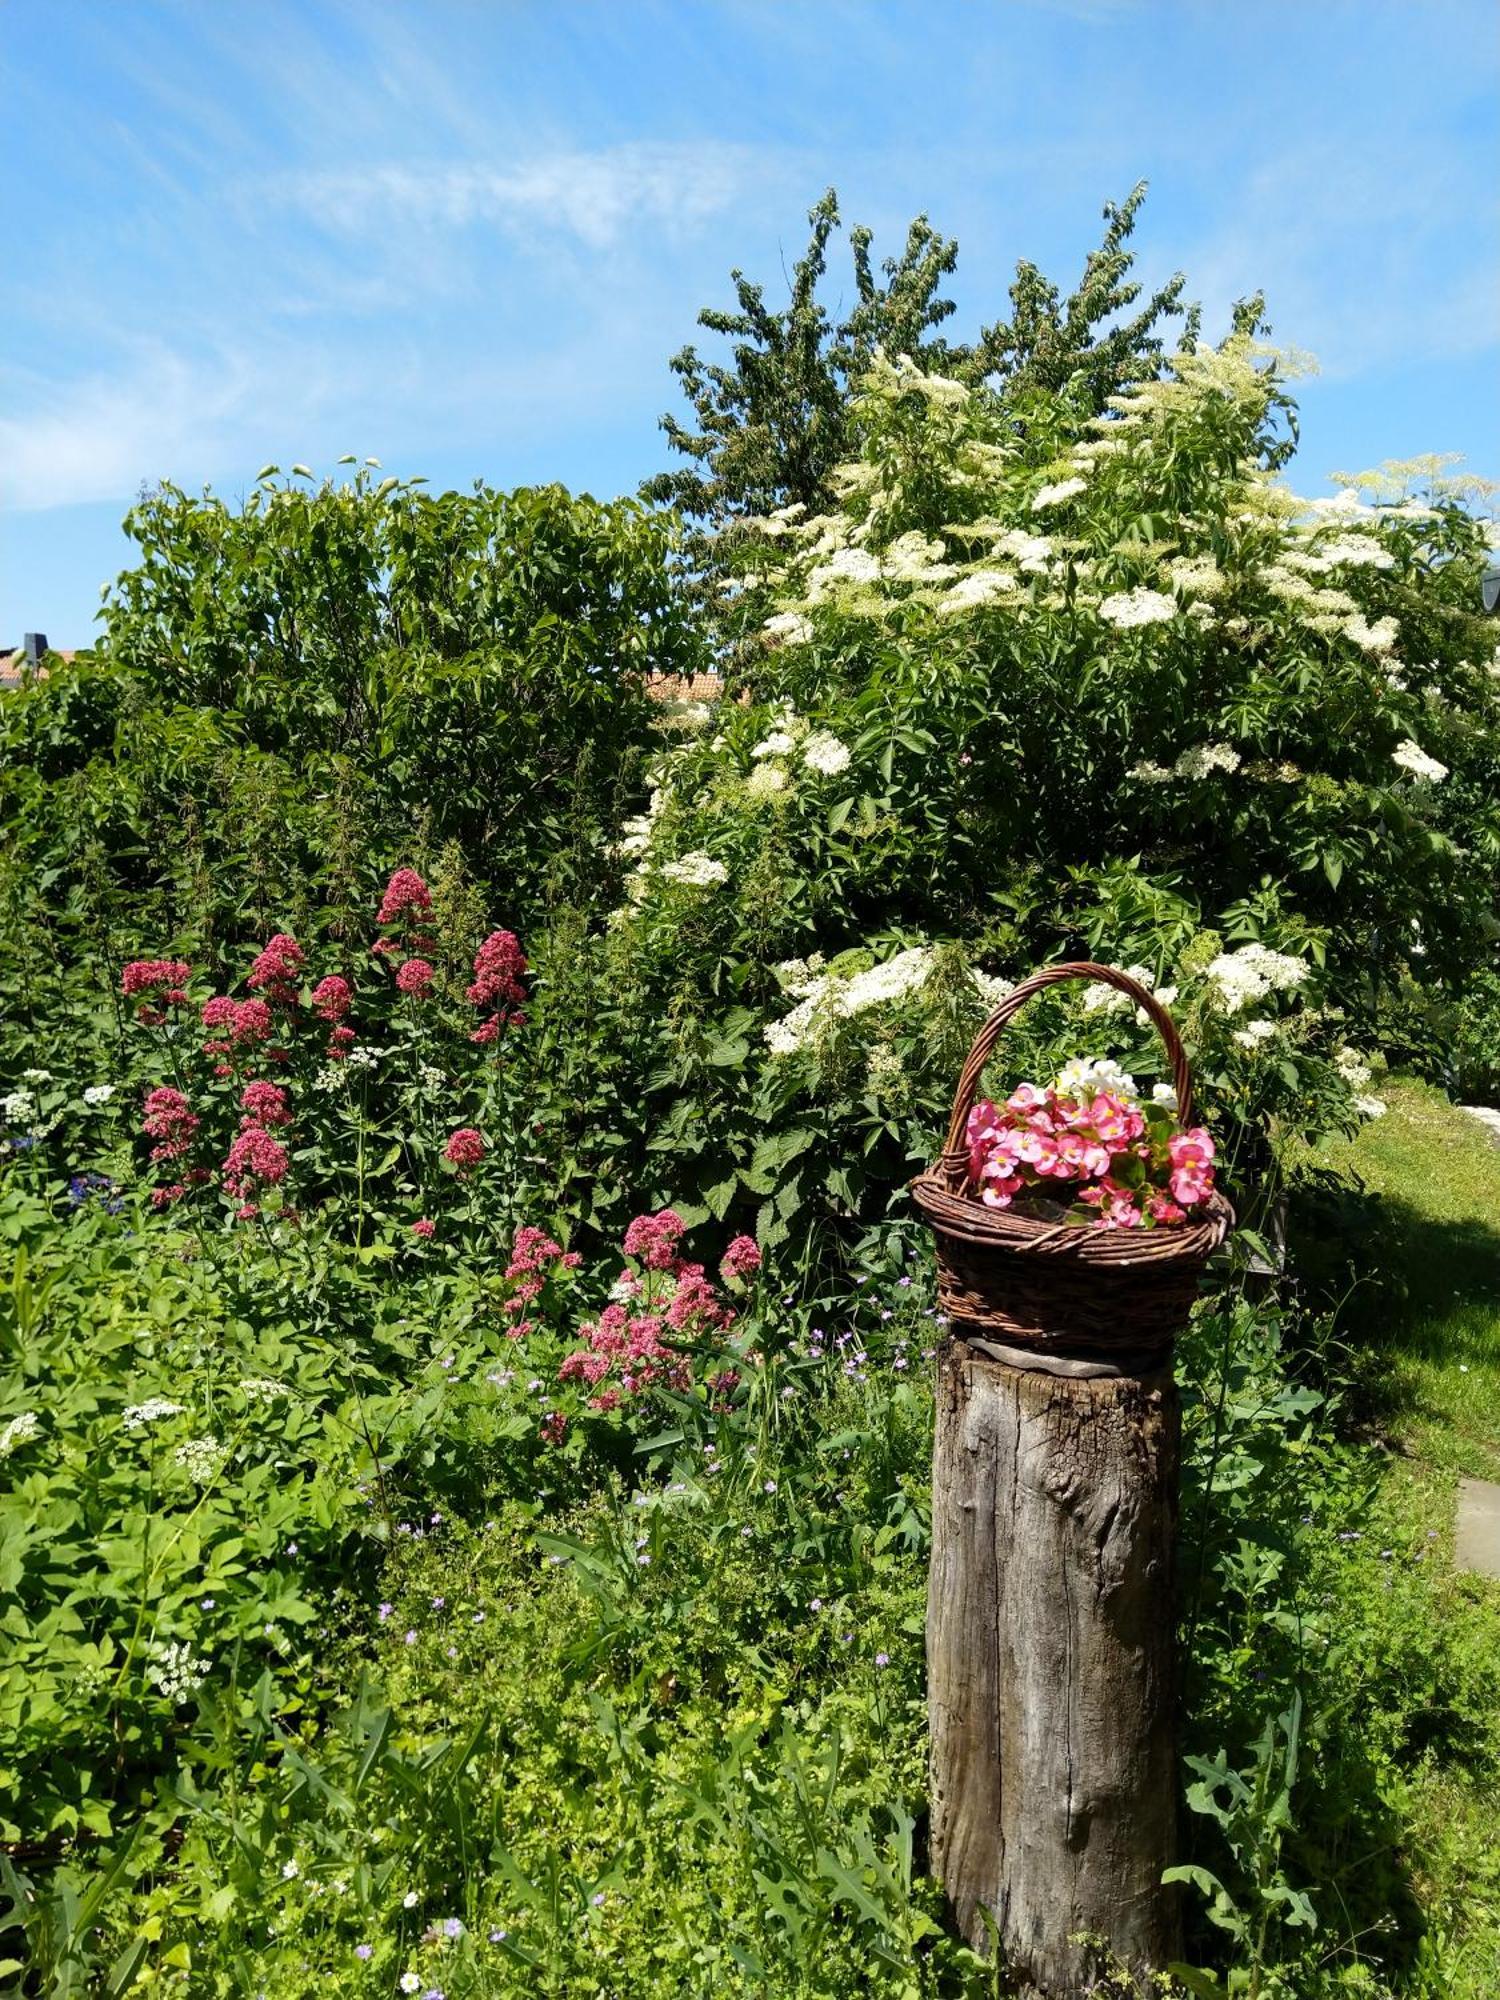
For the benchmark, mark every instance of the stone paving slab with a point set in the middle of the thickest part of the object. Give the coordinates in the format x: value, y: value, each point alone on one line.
x: 1477, y: 1541
x: 1485, y: 1116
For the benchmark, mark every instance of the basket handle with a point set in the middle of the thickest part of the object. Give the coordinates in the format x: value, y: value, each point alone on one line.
x: 1015, y: 1000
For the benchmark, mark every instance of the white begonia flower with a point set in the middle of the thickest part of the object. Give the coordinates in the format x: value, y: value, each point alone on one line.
x: 1086, y: 1076
x: 1205, y: 758
x: 98, y: 1093
x: 777, y: 744
x: 825, y: 753
x: 696, y: 871
x: 1129, y: 608
x: 766, y: 780
x: 1165, y: 1094
x: 1412, y: 757
x: 1053, y: 496
x: 20, y: 1430
x: 788, y: 628
x: 980, y: 586
x: 150, y: 1412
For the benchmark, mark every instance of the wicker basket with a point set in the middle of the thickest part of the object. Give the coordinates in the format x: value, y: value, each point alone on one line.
x: 1063, y: 1288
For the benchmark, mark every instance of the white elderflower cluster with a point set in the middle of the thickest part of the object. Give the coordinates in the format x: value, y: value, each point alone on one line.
x: 1086, y: 1076
x: 636, y: 833
x: 1352, y: 1067
x: 695, y: 871
x: 201, y: 1458
x: 20, y: 1430
x: 990, y: 989
x: 1343, y: 552
x: 788, y: 628
x: 683, y: 718
x: 777, y: 744
x: 824, y: 752
x: 980, y: 586
x: 1147, y: 773
x: 1032, y: 553
x: 885, y: 1073
x: 913, y: 558
x: 828, y: 998
x: 1054, y: 496
x: 1252, y: 972
x: 1370, y: 1107
x: 1410, y: 756
x: 177, y: 1671
x: 1254, y: 1033
x: 1127, y: 609
x: 845, y: 566
x: 330, y: 1077
x: 801, y: 976
x: 1101, y: 999
x: 1206, y: 758
x: 139, y: 1415
x: 1377, y: 638
x: 1196, y: 576
x: 766, y: 780
x: 97, y: 1094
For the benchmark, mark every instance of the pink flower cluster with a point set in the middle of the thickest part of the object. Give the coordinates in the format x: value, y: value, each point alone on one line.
x: 406, y: 891
x: 331, y: 1000
x: 237, y: 1024
x: 255, y: 1161
x: 464, y: 1150
x: 277, y: 971
x: 171, y: 1121
x: 264, y: 1104
x: 156, y: 984
x: 415, y: 978
x: 741, y: 1260
x: 534, y: 1258
x: 637, y: 1341
x: 496, y: 986
x: 1120, y: 1163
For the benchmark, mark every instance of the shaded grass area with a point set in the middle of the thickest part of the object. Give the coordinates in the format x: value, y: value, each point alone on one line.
x: 1414, y: 1247
x: 1411, y: 1244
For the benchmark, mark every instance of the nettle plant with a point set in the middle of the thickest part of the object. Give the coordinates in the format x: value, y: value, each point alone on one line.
x: 368, y: 1095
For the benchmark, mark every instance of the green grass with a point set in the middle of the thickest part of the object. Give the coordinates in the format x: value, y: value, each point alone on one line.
x: 1426, y: 1329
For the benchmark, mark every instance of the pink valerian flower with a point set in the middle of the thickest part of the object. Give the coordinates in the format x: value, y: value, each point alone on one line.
x: 340, y: 1041
x: 163, y: 1197
x: 415, y: 978
x: 255, y: 1160
x: 464, y: 1150
x: 171, y: 1121
x: 237, y: 1023
x: 654, y: 1239
x: 404, y: 892
x: 425, y: 1228
x: 277, y: 971
x: 1123, y: 1165
x: 496, y: 985
x: 156, y: 983
x: 741, y: 1260
x: 554, y: 1427
x: 332, y: 998
x: 264, y: 1104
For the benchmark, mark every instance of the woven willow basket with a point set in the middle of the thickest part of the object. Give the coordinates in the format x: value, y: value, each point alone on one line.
x: 1062, y: 1288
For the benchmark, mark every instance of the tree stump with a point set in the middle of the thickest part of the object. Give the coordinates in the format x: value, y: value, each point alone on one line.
x: 1050, y: 1658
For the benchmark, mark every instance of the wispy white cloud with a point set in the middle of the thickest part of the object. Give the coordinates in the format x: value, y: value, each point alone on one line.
x: 592, y: 196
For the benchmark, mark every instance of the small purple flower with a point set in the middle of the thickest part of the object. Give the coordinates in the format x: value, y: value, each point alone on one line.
x: 364, y: 1951
x: 497, y: 1937
x: 882, y: 1659
x: 385, y: 1612
x: 452, y: 1928
x: 410, y: 1639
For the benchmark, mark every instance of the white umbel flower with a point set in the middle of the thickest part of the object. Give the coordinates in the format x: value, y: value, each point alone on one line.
x: 97, y: 1094
x: 788, y: 628
x: 766, y: 780
x: 20, y: 1430
x: 1129, y: 608
x: 825, y: 753
x: 1252, y: 972
x: 777, y: 744
x: 696, y: 871
x: 1205, y: 758
x: 1412, y: 757
x: 980, y: 586
x: 1053, y: 496
x: 176, y: 1671
x: 139, y: 1415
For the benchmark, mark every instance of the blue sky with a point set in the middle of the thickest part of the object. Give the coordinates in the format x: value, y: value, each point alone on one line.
x: 463, y: 236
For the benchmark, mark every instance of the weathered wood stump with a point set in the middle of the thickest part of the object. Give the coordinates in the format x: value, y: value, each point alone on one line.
x: 1050, y: 1653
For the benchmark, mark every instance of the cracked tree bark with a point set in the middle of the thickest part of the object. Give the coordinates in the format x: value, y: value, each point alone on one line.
x: 1050, y: 1659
